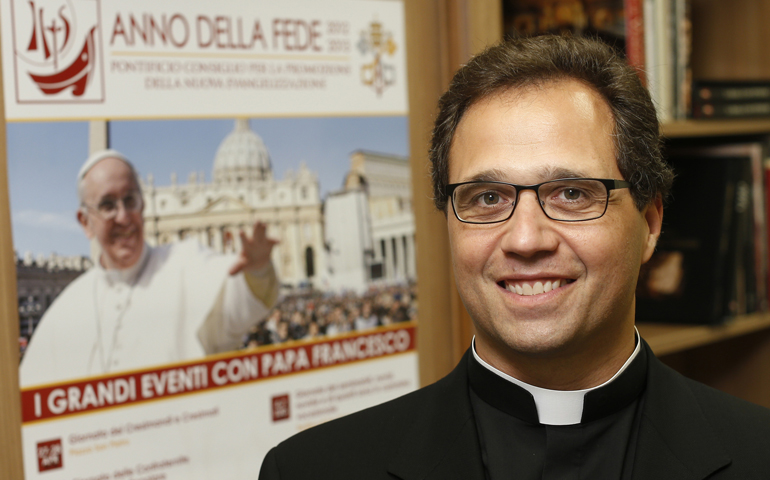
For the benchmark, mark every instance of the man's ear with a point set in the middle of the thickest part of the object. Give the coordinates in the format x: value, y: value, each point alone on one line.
x: 84, y: 223
x: 653, y: 217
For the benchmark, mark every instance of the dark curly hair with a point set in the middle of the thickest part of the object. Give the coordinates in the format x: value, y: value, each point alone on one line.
x: 524, y: 62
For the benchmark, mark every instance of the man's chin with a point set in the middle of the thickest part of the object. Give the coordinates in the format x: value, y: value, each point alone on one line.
x: 543, y: 340
x: 123, y: 256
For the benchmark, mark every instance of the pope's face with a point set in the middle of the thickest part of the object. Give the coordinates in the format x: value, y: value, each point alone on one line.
x: 122, y: 237
x: 525, y: 137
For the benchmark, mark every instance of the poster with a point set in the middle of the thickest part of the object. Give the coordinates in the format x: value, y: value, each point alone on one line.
x: 290, y: 114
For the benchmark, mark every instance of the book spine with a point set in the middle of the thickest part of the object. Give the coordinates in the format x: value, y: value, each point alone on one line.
x: 744, y: 282
x: 730, y: 92
x: 724, y: 299
x: 702, y: 110
x: 665, y: 56
x: 650, y: 50
x: 683, y: 33
x: 766, y: 223
x: 759, y: 242
x: 635, y: 41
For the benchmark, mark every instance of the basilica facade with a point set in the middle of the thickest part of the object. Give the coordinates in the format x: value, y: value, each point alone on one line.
x: 243, y: 191
x: 369, y: 224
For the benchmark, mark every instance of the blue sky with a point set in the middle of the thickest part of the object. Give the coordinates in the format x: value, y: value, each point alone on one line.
x: 44, y: 158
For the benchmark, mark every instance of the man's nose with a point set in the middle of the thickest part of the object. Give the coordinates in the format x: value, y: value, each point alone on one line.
x: 528, y: 231
x: 122, y: 214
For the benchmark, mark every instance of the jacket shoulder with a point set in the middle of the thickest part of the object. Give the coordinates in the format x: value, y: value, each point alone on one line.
x: 744, y: 426
x: 359, y: 445
x: 707, y: 429
x: 369, y: 426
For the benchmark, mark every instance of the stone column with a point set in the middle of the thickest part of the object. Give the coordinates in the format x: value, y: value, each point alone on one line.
x: 400, y: 258
x: 411, y: 256
x: 98, y: 135
x: 390, y: 271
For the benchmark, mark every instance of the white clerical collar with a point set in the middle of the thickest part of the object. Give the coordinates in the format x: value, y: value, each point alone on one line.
x: 125, y: 275
x: 557, y: 407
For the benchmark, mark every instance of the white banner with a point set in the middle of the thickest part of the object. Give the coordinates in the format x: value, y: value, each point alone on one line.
x: 99, y: 59
x: 211, y: 419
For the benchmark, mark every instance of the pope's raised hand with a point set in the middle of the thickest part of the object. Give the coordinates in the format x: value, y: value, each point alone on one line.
x: 255, y: 250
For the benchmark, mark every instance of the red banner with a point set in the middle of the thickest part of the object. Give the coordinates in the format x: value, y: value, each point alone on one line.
x: 63, y: 399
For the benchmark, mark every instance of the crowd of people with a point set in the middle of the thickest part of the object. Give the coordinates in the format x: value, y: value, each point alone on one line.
x: 316, y: 313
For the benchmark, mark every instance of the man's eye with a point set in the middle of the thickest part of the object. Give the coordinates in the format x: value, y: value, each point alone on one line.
x: 107, y: 206
x: 129, y: 202
x: 490, y: 198
x: 572, y: 193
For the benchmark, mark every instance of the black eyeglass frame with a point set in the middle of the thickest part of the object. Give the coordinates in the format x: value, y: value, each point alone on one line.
x: 609, y: 184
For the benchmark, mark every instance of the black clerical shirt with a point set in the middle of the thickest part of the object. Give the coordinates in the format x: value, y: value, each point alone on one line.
x: 515, y: 444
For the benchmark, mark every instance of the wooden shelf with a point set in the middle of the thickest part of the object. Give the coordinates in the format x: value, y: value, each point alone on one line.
x: 665, y: 339
x: 703, y: 128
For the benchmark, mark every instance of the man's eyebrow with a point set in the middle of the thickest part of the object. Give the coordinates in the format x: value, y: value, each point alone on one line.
x: 491, y: 175
x: 545, y: 174
x: 551, y: 173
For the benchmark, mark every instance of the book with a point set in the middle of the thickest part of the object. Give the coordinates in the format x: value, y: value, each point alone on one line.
x: 604, y: 19
x: 683, y: 69
x: 665, y: 56
x: 730, y: 91
x: 711, y: 260
x: 726, y: 109
x: 654, y: 35
x: 634, y: 30
x: 651, y: 50
x: 668, y: 47
x: 730, y: 99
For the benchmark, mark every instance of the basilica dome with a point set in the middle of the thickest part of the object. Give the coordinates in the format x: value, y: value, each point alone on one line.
x: 242, y: 156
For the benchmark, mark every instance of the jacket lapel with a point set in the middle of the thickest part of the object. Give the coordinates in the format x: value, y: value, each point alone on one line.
x: 675, y: 440
x: 443, y: 443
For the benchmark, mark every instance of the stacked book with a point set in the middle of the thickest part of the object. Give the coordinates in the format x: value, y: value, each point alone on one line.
x: 665, y: 33
x: 656, y: 38
x: 727, y: 99
x: 711, y: 262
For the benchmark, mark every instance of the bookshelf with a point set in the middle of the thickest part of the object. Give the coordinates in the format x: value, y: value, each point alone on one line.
x: 734, y: 357
x: 667, y: 339
x: 728, y: 43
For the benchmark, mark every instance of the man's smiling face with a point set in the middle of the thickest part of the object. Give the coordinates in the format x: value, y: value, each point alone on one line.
x: 586, y: 271
x: 121, y: 238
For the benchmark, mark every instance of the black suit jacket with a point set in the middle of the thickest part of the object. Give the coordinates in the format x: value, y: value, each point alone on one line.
x: 688, y: 431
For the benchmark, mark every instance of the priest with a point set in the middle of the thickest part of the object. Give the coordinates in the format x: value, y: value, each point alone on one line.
x: 547, y: 164
x: 142, y: 306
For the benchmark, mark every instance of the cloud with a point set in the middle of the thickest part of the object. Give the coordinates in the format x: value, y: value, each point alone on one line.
x: 47, y: 220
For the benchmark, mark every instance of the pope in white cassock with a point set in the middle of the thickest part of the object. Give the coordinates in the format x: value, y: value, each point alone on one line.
x: 140, y: 305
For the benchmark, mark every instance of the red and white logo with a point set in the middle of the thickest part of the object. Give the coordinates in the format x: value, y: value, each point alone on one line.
x: 280, y: 407
x: 57, y: 51
x: 49, y: 455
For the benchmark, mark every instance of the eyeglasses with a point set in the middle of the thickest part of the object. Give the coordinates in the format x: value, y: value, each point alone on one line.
x: 564, y: 200
x: 108, y: 207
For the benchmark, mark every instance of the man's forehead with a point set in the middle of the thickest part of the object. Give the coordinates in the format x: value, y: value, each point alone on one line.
x: 113, y: 168
x: 110, y: 177
x: 560, y: 129
x: 585, y: 99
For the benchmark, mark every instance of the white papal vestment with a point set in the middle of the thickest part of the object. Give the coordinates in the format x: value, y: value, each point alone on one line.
x: 177, y: 303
